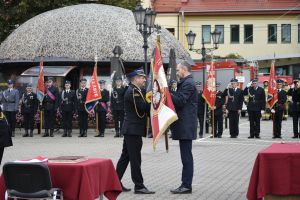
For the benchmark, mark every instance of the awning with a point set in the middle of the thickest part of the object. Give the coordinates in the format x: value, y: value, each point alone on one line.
x: 49, y: 71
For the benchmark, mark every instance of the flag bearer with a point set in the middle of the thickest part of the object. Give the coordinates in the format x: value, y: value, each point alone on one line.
x: 80, y: 108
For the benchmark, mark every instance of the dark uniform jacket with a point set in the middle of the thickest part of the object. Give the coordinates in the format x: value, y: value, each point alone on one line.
x: 200, y: 104
x: 67, y: 101
x: 29, y: 103
x: 80, y: 98
x: 257, y: 98
x: 185, y: 100
x: 5, y: 133
x: 10, y: 100
x: 117, y: 98
x: 220, y: 101
x: 280, y: 105
x: 235, y: 99
x: 295, y: 93
x: 136, y: 110
x: 48, y: 102
x: 102, y: 105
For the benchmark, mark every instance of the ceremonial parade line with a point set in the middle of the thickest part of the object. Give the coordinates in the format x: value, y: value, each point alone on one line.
x: 240, y: 142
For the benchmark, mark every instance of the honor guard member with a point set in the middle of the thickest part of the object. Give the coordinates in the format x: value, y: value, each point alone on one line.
x: 50, y: 105
x: 10, y: 100
x: 117, y: 105
x: 294, y: 96
x: 218, y: 112
x: 80, y: 108
x: 102, y: 108
x: 29, y: 104
x: 173, y: 87
x: 67, y: 106
x: 134, y: 128
x: 256, y: 106
x: 200, y: 108
x: 234, y: 106
x: 278, y: 109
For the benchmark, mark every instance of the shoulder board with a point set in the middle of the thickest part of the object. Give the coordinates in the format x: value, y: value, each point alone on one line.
x: 137, y: 95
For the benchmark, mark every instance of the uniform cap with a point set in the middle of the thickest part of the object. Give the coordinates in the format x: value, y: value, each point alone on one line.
x: 50, y: 78
x: 118, y: 78
x: 67, y: 82
x: 295, y: 81
x: 218, y: 83
x: 234, y: 80
x: 280, y: 81
x: 9, y: 82
x: 254, y: 80
x: 137, y: 72
x: 198, y: 83
x: 173, y: 81
x: 83, y: 80
x: 102, y: 81
x: 29, y: 85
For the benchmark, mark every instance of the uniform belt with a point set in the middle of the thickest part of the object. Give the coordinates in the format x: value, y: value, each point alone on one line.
x: 11, y: 102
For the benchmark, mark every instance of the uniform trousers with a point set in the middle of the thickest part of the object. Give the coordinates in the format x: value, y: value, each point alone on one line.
x: 254, y: 118
x: 296, y: 122
x: 233, y: 123
x: 131, y: 152
x: 11, y: 119
x: 1, y: 154
x: 118, y: 119
x: 28, y: 120
x: 101, y: 121
x: 187, y: 162
x: 278, y: 115
x: 218, y: 125
x: 49, y: 119
x: 83, y: 120
x: 67, y: 119
x: 201, y: 122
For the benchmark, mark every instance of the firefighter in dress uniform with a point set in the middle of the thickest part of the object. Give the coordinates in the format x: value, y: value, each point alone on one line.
x: 29, y: 105
x: 278, y: 109
x: 256, y: 106
x: 294, y: 98
x: 102, y: 108
x: 81, y: 94
x: 67, y: 107
x: 117, y: 105
x: 50, y: 106
x: 200, y: 108
x: 218, y: 112
x: 10, y: 100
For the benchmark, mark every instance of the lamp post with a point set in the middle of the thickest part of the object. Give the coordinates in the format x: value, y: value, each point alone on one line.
x: 144, y: 19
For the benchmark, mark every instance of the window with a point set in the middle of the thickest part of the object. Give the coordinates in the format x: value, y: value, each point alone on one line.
x: 220, y: 28
x: 235, y: 33
x: 206, y: 33
x: 248, y: 33
x: 171, y: 30
x: 272, y: 33
x: 298, y: 33
x: 285, y: 33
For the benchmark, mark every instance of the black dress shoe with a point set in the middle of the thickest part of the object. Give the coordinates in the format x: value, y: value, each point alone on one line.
x: 257, y: 137
x: 232, y: 136
x: 124, y: 189
x: 295, y: 137
x: 98, y: 135
x: 143, y: 191
x: 182, y: 190
x: 219, y: 136
x: 250, y: 137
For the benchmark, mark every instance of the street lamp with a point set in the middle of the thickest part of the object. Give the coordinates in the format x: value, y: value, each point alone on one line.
x: 144, y: 19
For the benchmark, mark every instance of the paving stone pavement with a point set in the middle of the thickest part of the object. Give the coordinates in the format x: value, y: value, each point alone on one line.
x: 222, y: 166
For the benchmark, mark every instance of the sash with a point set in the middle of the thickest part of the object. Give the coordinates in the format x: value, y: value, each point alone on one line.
x: 104, y: 105
x: 49, y: 93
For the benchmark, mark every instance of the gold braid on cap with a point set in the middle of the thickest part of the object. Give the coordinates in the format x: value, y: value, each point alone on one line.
x: 137, y: 112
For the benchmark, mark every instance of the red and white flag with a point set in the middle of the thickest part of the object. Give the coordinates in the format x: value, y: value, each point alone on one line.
x: 94, y: 92
x: 272, y: 88
x: 163, y: 113
x: 40, y: 90
x: 209, y: 92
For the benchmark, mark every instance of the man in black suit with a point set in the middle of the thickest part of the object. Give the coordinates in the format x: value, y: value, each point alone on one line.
x: 102, y: 108
x: 134, y: 128
x: 200, y: 108
x: 256, y: 105
x: 218, y: 112
x: 80, y: 108
x: 294, y: 94
x: 278, y: 109
x: 67, y: 106
x: 185, y: 128
x: 234, y: 106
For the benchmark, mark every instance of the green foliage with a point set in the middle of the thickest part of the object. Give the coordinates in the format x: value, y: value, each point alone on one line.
x: 15, y: 12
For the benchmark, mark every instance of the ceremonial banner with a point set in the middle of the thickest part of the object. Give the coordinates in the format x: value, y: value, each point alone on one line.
x: 40, y: 90
x: 163, y: 113
x: 209, y: 92
x: 272, y: 88
x: 94, y: 93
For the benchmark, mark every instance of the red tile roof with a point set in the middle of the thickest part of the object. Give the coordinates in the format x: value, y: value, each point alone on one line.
x: 227, y: 6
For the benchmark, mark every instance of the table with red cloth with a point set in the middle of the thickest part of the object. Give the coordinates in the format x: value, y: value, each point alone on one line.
x: 85, y: 180
x: 276, y: 171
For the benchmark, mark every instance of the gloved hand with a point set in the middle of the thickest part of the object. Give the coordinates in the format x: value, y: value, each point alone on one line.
x: 249, y: 84
x: 262, y: 111
x: 272, y: 111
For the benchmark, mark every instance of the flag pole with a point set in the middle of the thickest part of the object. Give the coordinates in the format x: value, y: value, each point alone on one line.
x: 96, y: 66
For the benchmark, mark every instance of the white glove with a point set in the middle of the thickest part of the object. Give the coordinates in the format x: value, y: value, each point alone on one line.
x: 249, y: 84
x: 262, y: 111
x: 272, y: 111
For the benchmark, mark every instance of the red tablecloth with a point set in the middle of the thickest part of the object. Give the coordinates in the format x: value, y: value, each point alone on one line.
x: 84, y: 180
x: 276, y: 171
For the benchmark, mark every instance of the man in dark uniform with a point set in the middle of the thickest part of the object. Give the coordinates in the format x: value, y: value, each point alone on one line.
x: 278, y: 109
x: 200, y: 108
x: 102, y: 108
x: 29, y: 104
x: 67, y: 106
x: 50, y: 105
x: 294, y: 94
x: 134, y: 128
x: 117, y: 105
x: 218, y: 112
x: 80, y: 108
x: 256, y: 105
x: 235, y: 100
x: 10, y: 100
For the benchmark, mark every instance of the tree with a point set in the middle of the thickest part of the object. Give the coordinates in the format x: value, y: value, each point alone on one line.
x: 15, y: 12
